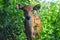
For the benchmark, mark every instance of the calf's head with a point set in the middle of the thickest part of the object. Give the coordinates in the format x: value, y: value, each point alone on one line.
x: 28, y: 9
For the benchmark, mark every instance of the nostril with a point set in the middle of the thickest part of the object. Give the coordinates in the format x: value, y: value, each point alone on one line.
x: 28, y: 17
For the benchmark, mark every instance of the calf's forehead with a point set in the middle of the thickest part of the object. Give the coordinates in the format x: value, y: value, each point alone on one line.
x: 28, y: 7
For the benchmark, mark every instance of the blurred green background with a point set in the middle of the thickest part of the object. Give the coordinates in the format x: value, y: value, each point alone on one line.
x: 12, y: 19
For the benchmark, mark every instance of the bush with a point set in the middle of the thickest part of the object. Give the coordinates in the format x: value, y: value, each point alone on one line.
x: 11, y: 20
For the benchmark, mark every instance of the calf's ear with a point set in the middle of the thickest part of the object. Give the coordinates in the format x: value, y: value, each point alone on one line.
x: 36, y: 7
x: 19, y: 6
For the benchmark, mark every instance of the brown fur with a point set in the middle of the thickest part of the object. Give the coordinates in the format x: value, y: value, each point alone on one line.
x: 33, y: 25
x: 30, y: 24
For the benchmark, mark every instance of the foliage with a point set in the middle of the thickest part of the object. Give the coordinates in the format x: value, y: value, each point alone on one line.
x: 11, y: 20
x: 50, y: 21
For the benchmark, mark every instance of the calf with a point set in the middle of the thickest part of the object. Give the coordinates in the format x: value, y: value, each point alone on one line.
x: 32, y: 21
